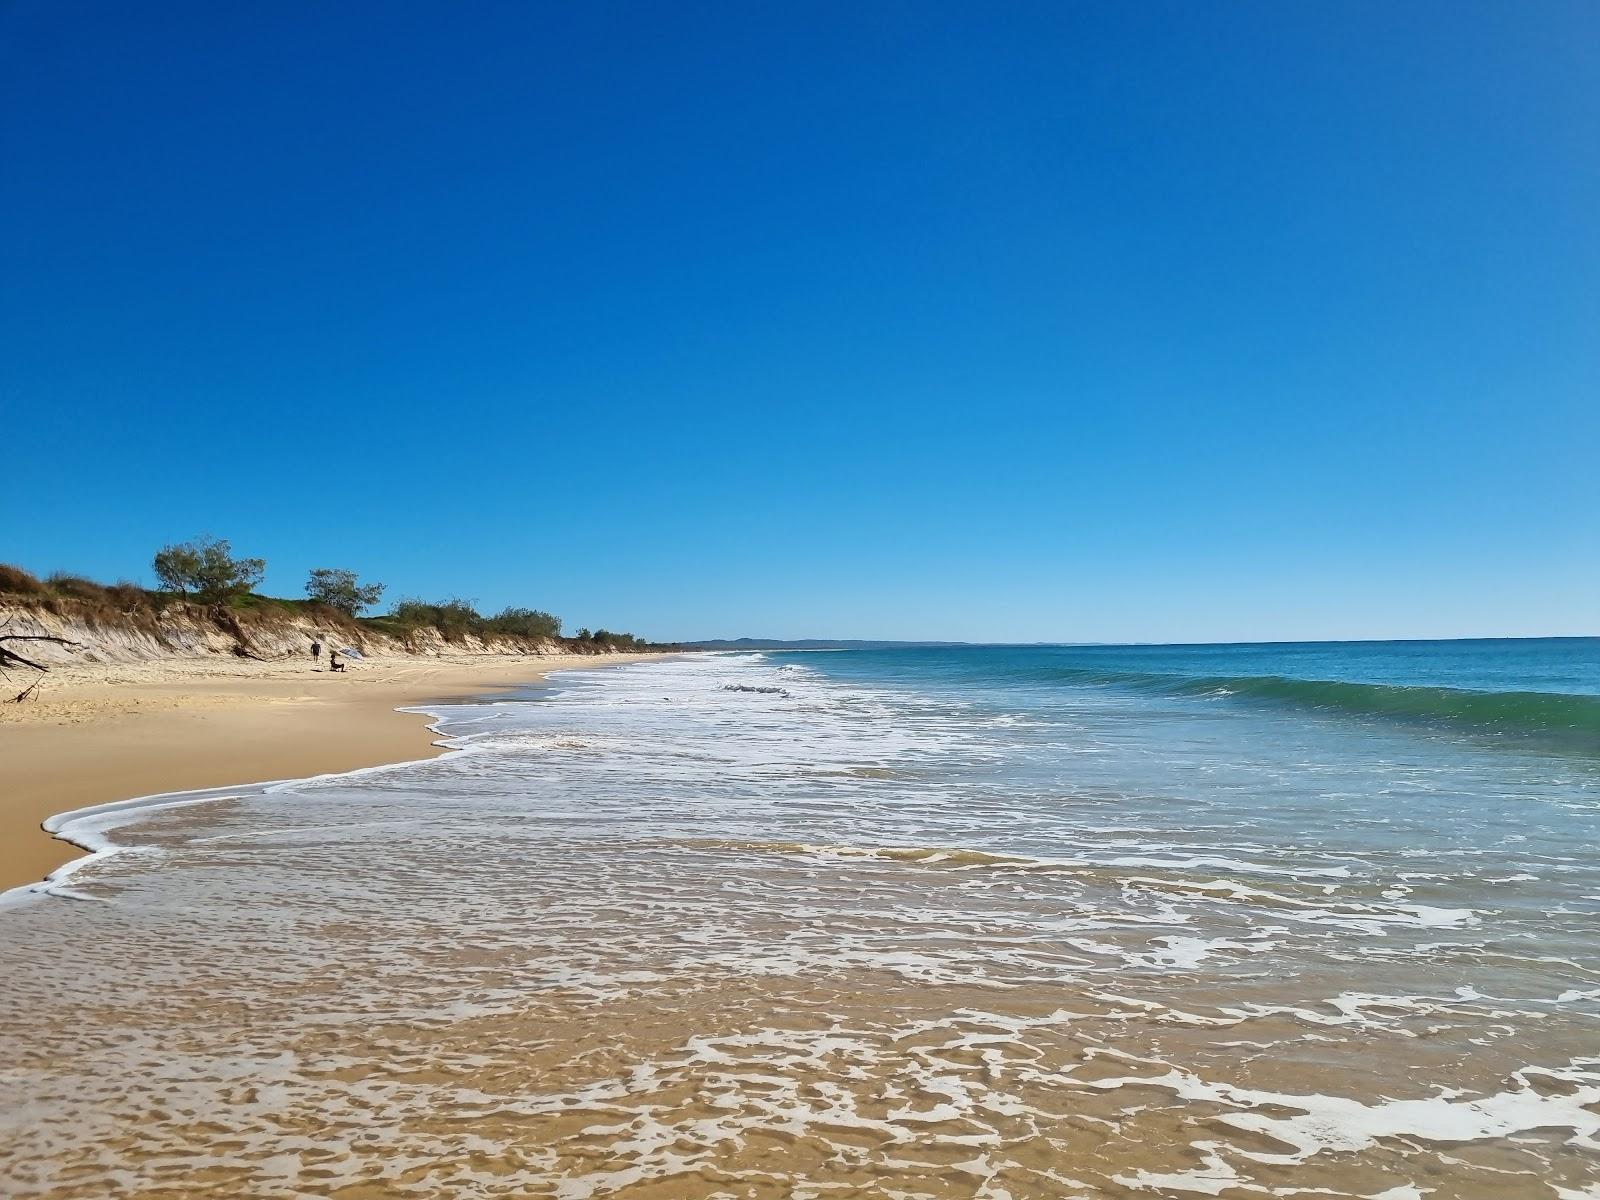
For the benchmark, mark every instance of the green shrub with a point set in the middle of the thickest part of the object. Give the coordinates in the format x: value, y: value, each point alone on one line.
x: 524, y: 622
x: 454, y: 618
x: 617, y: 641
x: 411, y: 613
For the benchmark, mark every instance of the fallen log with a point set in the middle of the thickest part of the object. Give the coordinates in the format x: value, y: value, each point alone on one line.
x: 10, y: 658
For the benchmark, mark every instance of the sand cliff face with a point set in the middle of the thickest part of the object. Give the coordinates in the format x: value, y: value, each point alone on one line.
x: 187, y: 631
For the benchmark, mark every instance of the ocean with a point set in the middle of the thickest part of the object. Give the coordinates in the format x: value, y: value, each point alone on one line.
x: 1316, y: 920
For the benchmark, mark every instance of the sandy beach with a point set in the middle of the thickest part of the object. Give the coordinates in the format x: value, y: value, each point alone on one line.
x: 871, y: 924
x: 104, y: 732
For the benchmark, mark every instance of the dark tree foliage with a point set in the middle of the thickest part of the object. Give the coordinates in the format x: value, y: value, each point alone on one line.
x: 524, y: 622
x: 454, y: 618
x: 206, y: 569
x: 341, y: 589
x: 617, y: 641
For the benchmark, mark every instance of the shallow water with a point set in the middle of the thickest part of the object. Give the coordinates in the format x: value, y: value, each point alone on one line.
x: 912, y: 923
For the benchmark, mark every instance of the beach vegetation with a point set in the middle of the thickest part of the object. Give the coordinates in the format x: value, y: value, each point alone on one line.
x: 17, y: 582
x: 100, y: 598
x: 616, y: 641
x: 71, y: 595
x: 176, y: 567
x: 255, y: 602
x: 386, y: 626
x: 524, y: 622
x: 453, y: 618
x: 456, y: 618
x: 127, y: 596
x: 206, y: 572
x: 340, y: 589
x: 207, y: 569
x: 76, y: 586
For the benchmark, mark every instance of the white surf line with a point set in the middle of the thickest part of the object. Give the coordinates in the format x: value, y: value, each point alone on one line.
x: 81, y: 827
x: 86, y: 827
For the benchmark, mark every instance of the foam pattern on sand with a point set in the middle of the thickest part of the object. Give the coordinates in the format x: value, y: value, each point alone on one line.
x: 726, y: 926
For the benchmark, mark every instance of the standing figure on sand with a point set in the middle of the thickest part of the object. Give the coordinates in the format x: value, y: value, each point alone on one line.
x: 316, y: 657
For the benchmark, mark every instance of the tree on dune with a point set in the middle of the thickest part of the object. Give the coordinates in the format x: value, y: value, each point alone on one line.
x: 206, y: 568
x: 340, y: 589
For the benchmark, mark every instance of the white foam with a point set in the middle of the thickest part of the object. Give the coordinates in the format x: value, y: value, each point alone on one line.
x: 878, y: 863
x: 1341, y: 1124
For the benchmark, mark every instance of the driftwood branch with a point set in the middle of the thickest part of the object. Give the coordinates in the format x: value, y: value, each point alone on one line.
x: 10, y: 658
x: 242, y: 646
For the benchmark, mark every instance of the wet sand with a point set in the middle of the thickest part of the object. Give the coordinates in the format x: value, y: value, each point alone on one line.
x: 726, y: 926
x: 99, y: 733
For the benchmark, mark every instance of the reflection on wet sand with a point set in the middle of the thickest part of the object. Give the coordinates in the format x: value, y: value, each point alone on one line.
x: 617, y: 950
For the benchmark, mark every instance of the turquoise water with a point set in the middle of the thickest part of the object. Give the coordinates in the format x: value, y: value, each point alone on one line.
x: 1311, y: 760
x: 1003, y: 922
x: 1544, y: 688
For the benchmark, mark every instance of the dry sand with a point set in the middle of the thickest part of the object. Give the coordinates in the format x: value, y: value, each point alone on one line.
x: 110, y: 732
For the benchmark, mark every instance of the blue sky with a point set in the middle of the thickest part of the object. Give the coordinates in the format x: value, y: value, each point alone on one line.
x: 1057, y: 321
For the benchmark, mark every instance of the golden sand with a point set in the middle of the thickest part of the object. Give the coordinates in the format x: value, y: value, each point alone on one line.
x: 97, y: 733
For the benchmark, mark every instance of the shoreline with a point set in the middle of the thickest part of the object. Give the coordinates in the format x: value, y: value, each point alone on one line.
x: 104, y: 734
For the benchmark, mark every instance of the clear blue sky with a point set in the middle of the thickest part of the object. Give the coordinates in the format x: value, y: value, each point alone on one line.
x: 1024, y: 321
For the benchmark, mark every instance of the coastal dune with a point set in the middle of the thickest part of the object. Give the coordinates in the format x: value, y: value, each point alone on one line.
x: 99, y: 732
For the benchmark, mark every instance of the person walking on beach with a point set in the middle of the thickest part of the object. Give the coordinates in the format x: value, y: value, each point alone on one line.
x: 316, y: 655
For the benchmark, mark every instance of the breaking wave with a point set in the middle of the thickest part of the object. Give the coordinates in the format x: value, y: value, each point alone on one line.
x: 1554, y: 715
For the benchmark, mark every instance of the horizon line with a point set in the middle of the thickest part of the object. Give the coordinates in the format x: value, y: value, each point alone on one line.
x: 928, y: 643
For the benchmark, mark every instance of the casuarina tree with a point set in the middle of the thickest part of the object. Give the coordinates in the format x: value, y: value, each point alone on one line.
x: 207, y: 569
x: 339, y: 588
